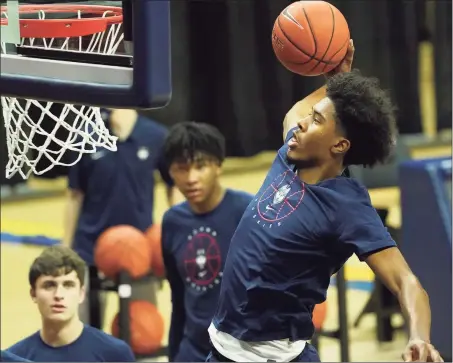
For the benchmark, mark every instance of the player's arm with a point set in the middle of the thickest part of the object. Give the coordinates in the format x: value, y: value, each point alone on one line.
x: 74, y: 201
x: 301, y: 109
x: 391, y: 268
x: 178, y: 315
x: 165, y: 175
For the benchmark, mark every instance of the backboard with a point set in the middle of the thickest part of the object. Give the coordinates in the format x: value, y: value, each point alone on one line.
x: 97, y: 53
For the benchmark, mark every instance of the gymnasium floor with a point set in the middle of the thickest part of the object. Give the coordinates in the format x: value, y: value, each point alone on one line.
x: 44, y: 217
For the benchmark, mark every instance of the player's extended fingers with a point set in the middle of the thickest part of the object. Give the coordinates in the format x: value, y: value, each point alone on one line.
x: 407, y: 356
x: 433, y: 354
x: 350, y: 52
x: 422, y: 352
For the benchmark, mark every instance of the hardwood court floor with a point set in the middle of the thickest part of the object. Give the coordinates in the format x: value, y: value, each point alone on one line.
x: 19, y: 316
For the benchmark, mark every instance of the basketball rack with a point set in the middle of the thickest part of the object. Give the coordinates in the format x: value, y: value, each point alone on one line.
x: 124, y: 279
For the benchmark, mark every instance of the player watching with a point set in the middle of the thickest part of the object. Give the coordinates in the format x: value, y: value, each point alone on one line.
x: 305, y: 223
x: 196, y: 235
x: 56, y: 280
x: 112, y: 188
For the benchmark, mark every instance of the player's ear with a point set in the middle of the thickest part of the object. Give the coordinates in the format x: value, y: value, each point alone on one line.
x: 33, y: 294
x: 341, y: 146
x: 218, y: 169
x: 82, y: 294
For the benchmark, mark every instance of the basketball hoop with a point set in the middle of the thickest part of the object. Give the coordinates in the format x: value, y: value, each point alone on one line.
x: 87, y: 29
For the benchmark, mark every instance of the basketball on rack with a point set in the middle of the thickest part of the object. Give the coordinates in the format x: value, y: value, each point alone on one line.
x: 154, y: 236
x: 319, y: 315
x: 122, y: 248
x: 146, y: 327
x: 310, y: 38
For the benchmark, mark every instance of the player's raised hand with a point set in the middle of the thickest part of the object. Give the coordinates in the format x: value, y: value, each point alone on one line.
x: 418, y: 350
x: 346, y: 63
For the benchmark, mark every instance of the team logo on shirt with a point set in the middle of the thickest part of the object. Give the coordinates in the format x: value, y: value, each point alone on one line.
x: 143, y: 153
x: 202, y: 259
x: 279, y: 200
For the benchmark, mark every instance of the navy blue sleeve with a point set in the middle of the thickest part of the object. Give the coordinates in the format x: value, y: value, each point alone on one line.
x: 10, y: 357
x: 77, y: 176
x: 289, y: 135
x: 178, y: 315
x: 361, y: 229
x: 125, y: 354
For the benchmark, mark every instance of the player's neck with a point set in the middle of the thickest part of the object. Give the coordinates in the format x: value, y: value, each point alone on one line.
x: 62, y: 333
x: 210, y: 203
x: 316, y: 174
x: 123, y: 122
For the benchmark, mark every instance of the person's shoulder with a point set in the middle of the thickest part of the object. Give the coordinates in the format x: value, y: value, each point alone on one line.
x: 8, y: 356
x: 152, y: 126
x: 348, y: 189
x: 117, y: 348
x: 21, y: 347
x: 351, y: 200
x: 175, y: 212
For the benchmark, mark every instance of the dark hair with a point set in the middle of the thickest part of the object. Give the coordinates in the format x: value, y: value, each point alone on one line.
x: 366, y: 114
x: 187, y: 140
x: 56, y: 261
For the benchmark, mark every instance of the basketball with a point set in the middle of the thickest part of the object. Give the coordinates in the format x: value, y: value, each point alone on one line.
x: 310, y: 37
x: 154, y: 235
x: 122, y: 248
x: 146, y: 327
x: 319, y: 315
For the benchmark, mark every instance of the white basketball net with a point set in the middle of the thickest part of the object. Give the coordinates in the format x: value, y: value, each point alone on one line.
x: 86, y: 130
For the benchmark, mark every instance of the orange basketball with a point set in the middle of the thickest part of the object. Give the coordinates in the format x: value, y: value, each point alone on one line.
x: 146, y: 327
x: 310, y: 37
x: 319, y: 315
x: 154, y: 235
x: 122, y: 248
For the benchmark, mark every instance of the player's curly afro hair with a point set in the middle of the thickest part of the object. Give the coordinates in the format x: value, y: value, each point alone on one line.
x: 367, y: 116
x: 188, y: 140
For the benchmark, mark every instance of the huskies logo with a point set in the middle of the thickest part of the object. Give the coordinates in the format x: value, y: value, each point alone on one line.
x: 279, y: 200
x: 202, y: 259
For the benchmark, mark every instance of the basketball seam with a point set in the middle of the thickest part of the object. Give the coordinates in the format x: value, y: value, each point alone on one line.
x: 338, y: 51
x: 312, y: 57
x: 330, y: 41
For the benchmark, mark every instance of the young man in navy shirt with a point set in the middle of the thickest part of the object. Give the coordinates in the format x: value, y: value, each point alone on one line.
x: 304, y: 224
x: 196, y: 235
x: 112, y: 188
x: 56, y: 280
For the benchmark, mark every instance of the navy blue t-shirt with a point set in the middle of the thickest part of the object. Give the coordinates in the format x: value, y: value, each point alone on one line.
x: 118, y: 187
x: 292, y: 238
x: 10, y: 357
x: 194, y: 248
x: 93, y: 345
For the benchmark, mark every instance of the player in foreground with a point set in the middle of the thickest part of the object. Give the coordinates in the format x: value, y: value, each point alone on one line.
x: 304, y: 224
x: 196, y: 235
x: 57, y: 287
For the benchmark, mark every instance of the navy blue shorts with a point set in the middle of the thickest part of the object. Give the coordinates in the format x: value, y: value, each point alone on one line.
x: 309, y: 354
x: 190, y: 352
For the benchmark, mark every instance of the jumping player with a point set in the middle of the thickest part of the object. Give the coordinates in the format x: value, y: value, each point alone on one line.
x: 57, y: 287
x: 196, y: 235
x: 304, y: 224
